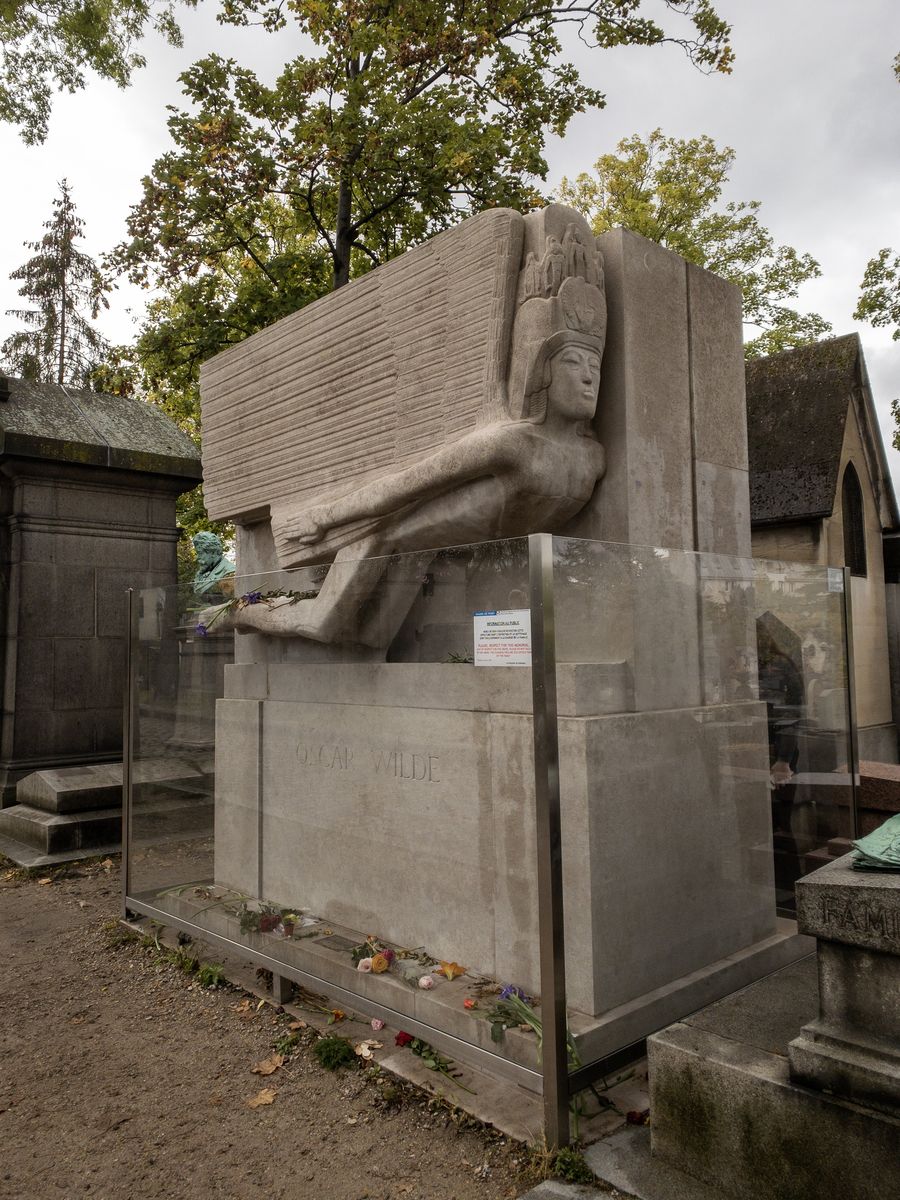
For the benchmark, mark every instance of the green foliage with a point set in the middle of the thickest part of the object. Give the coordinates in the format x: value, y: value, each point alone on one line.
x: 211, y: 975
x: 570, y: 1164
x: 287, y: 1044
x: 403, y: 119
x: 879, y: 299
x: 48, y: 45
x: 58, y: 343
x: 407, y: 117
x: 334, y: 1052
x: 669, y: 190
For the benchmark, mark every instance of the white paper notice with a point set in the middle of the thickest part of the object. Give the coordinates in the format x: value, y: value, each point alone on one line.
x: 503, y: 639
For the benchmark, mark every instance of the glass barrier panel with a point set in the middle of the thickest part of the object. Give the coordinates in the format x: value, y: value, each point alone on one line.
x: 702, y: 722
x: 875, y: 618
x: 352, y: 751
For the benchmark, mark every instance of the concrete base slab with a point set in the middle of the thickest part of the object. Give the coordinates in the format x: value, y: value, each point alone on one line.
x: 624, y: 1161
x: 29, y: 856
x: 728, y: 1114
x: 32, y: 837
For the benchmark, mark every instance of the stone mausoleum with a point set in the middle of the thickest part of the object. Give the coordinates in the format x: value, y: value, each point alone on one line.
x: 88, y: 485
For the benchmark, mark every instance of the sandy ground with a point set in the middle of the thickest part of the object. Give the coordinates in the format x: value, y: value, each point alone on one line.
x: 122, y: 1076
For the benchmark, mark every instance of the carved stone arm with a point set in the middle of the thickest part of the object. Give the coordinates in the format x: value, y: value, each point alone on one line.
x: 482, y: 452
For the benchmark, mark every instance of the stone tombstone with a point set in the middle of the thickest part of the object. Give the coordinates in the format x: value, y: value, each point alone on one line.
x: 512, y: 375
x: 89, y: 484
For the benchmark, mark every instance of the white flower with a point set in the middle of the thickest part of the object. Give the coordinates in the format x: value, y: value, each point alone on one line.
x: 364, y: 964
x: 426, y: 982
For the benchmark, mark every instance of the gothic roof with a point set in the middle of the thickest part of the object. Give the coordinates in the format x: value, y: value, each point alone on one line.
x: 46, y: 421
x: 797, y: 406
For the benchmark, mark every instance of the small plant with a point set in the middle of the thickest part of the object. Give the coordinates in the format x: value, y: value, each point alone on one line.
x: 334, y: 1052
x: 211, y: 975
x: 287, y: 1044
x: 570, y: 1164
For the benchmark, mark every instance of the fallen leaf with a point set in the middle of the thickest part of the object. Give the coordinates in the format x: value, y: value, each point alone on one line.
x: 266, y: 1096
x: 366, y: 1049
x: 297, y: 1025
x: 259, y: 1006
x: 49, y: 879
x: 450, y: 970
x: 268, y: 1066
x: 352, y: 1120
x: 107, y: 864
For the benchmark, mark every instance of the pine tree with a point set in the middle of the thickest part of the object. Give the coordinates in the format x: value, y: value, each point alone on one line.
x: 58, y: 343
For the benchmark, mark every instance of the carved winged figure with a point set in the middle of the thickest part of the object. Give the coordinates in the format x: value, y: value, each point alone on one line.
x: 531, y: 462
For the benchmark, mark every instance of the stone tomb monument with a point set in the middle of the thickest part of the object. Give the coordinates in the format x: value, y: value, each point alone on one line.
x: 88, y: 485
x: 456, y: 395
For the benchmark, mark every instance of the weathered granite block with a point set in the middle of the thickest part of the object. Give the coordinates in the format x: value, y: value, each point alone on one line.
x: 853, y: 1049
x: 383, y: 806
x: 858, y: 908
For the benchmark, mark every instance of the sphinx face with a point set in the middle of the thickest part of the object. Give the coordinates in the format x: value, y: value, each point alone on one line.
x: 574, y: 383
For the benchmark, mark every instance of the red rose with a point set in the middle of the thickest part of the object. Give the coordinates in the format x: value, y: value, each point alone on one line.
x: 403, y: 1039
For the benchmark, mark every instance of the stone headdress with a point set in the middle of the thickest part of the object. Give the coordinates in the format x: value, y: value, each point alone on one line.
x: 560, y: 303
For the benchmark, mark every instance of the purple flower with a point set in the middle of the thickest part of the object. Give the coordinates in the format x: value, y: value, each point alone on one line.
x: 202, y: 631
x: 512, y: 990
x: 252, y: 597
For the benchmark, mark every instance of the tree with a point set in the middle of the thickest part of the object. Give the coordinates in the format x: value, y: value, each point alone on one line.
x: 669, y: 190
x: 408, y: 117
x: 58, y: 343
x: 879, y: 298
x: 49, y: 45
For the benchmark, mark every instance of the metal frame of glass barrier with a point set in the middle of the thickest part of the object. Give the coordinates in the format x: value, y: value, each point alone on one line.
x: 557, y: 1085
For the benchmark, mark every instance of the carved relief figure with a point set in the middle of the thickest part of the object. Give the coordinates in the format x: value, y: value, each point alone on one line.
x: 531, y: 470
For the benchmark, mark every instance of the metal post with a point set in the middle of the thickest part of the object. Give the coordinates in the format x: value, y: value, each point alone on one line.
x: 127, y: 743
x: 549, y: 841
x: 853, y: 736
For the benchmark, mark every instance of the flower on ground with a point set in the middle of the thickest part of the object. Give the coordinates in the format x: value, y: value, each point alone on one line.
x: 426, y: 982
x: 389, y: 954
x: 379, y: 963
x: 512, y: 990
x: 202, y: 631
x: 377, y: 1023
x: 252, y: 597
x: 364, y: 964
x: 470, y: 1003
x: 450, y: 970
x: 403, y: 1038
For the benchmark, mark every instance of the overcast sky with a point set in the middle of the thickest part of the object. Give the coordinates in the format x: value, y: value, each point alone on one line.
x: 812, y: 111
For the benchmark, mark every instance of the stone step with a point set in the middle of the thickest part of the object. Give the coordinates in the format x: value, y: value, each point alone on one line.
x: 99, y: 785
x: 97, y: 831
x: 55, y: 833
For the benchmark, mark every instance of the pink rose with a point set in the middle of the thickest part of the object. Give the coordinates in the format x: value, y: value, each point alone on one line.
x: 426, y: 982
x: 364, y: 964
x: 377, y: 1023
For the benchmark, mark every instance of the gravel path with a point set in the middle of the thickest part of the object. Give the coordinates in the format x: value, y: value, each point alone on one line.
x: 119, y: 1076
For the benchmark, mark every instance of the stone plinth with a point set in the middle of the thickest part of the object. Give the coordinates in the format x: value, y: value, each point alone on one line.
x: 88, y: 485
x: 399, y: 798
x: 853, y: 1048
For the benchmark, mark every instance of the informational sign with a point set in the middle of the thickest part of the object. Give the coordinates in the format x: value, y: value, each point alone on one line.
x: 835, y: 579
x: 503, y: 638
